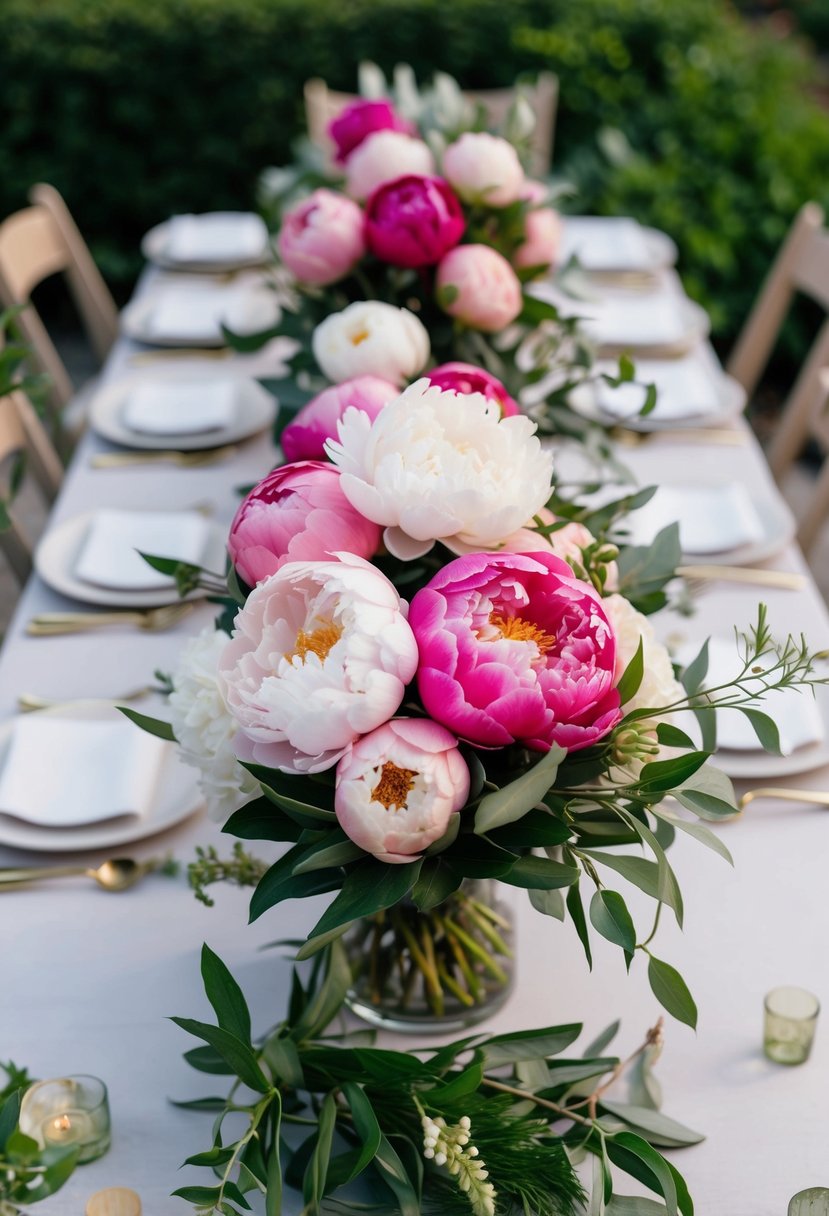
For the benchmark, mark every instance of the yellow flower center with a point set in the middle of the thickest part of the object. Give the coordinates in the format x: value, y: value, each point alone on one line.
x: 318, y: 642
x: 360, y: 336
x: 394, y: 786
x: 516, y: 629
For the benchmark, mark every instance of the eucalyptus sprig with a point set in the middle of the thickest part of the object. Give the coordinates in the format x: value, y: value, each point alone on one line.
x: 489, y: 1125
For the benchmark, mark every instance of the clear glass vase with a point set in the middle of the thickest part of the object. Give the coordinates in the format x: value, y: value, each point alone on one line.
x: 441, y: 970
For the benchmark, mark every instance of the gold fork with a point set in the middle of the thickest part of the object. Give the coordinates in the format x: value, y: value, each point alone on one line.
x: 698, y: 578
x: 184, y: 460
x: 815, y: 797
x: 48, y: 624
x: 731, y: 437
x: 28, y: 702
x: 143, y: 357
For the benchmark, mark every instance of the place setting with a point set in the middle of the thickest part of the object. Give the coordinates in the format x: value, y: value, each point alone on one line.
x: 215, y: 242
x: 615, y: 247
x: 195, y: 313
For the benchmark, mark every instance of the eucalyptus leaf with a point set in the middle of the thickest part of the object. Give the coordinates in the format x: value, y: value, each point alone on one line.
x: 576, y: 910
x: 596, y: 1046
x: 153, y: 726
x: 521, y: 795
x: 395, y: 1176
x: 699, y: 832
x: 370, y: 887
x: 610, y: 917
x: 671, y: 991
x: 696, y: 671
x: 548, y: 903
x: 541, y: 873
x: 765, y: 728
x: 650, y: 1121
x: 365, y: 1125
x: 317, y: 1171
x: 237, y: 1054
x: 631, y: 680
x: 282, y: 1057
x: 708, y: 793
x: 528, y: 1044
x: 225, y: 996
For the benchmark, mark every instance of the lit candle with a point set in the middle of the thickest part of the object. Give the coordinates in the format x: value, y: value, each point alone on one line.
x: 68, y: 1111
x: 70, y: 1127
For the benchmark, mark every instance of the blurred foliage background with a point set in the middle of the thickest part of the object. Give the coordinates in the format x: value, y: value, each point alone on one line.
x: 706, y: 121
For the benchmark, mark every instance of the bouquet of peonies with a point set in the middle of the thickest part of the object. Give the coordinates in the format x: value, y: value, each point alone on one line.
x: 431, y: 682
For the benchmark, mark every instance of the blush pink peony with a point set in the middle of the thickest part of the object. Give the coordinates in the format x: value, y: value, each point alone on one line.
x: 297, y: 513
x: 465, y: 378
x: 413, y: 221
x: 514, y: 649
x: 484, y: 169
x: 398, y: 787
x: 358, y: 120
x: 321, y: 239
x: 383, y: 157
x: 304, y: 437
x: 542, y: 240
x: 478, y: 286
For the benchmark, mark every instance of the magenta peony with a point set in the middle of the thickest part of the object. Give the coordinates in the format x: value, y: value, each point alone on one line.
x: 398, y: 787
x: 464, y: 378
x: 359, y: 120
x: 304, y: 437
x: 478, y: 286
x: 297, y: 513
x: 413, y: 221
x: 321, y: 239
x: 514, y: 649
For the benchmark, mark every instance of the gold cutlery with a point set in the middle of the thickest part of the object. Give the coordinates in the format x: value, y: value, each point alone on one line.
x: 815, y: 797
x: 29, y: 702
x: 143, y: 357
x: 785, y: 580
x: 184, y: 460
x: 729, y: 436
x: 119, y: 874
x: 47, y: 624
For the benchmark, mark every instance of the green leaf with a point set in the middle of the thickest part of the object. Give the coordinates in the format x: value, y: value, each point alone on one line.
x: 696, y: 671
x: 636, y: 1156
x: 528, y: 1044
x: 765, y: 728
x: 610, y: 917
x: 339, y: 854
x: 205, y: 1059
x: 708, y: 793
x: 514, y: 800
x: 597, y: 1045
x: 204, y: 1104
x: 237, y: 1054
x: 313, y: 1188
x: 541, y: 873
x: 201, y: 1196
x: 282, y: 1057
x: 435, y: 883
x: 653, y: 1122
x: 576, y: 910
x: 671, y: 736
x: 548, y: 903
x: 663, y: 775
x: 260, y: 820
x: 153, y: 726
x: 213, y: 1156
x: 225, y: 996
x: 9, y: 1116
x: 395, y: 1176
x: 537, y: 829
x: 671, y: 991
x: 280, y: 883
x: 640, y: 871
x: 465, y: 1083
x: 328, y: 999
x: 699, y: 832
x: 370, y: 887
x: 365, y: 1125
x: 631, y: 679
x: 273, y: 1193
x: 634, y: 1205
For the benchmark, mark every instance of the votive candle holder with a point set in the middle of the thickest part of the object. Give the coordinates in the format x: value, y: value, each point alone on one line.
x: 789, y: 1024
x: 68, y: 1111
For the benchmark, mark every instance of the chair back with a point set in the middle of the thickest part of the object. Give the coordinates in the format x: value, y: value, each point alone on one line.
x: 323, y: 104
x: 36, y: 243
x: 13, y: 541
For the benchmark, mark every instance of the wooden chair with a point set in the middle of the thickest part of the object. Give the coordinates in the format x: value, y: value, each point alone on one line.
x: 323, y: 104
x: 14, y: 543
x: 36, y: 243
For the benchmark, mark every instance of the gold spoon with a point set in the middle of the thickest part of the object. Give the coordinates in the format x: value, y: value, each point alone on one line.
x: 815, y: 797
x: 28, y: 702
x: 116, y: 875
x: 50, y: 624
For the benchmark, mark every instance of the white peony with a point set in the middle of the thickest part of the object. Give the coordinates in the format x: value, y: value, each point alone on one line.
x: 659, y: 685
x: 484, y: 169
x: 381, y: 158
x: 371, y: 339
x: 321, y: 653
x: 438, y: 465
x: 204, y: 728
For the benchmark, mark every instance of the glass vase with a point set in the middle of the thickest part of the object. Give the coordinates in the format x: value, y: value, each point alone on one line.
x: 441, y: 970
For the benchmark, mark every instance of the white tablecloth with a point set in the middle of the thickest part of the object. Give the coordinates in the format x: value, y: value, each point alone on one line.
x: 89, y: 978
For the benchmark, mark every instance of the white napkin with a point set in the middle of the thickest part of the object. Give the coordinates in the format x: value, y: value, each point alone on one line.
x: 217, y: 236
x: 796, y: 712
x: 605, y: 243
x: 196, y: 314
x: 181, y: 407
x: 685, y: 389
x: 712, y: 519
x: 627, y: 319
x: 60, y: 772
x: 109, y: 557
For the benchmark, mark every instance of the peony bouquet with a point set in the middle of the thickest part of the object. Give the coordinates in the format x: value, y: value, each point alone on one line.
x: 430, y: 682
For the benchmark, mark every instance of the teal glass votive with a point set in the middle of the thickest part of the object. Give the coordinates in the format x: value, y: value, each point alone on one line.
x: 789, y: 1025
x: 66, y: 1111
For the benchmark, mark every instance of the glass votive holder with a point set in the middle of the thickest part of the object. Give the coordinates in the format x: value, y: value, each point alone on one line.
x: 811, y: 1202
x: 67, y: 1111
x: 789, y: 1024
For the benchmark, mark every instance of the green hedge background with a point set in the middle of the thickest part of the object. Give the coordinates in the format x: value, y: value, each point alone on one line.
x: 674, y: 111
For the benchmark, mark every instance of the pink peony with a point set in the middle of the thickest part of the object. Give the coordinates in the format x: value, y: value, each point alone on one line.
x: 321, y: 239
x: 542, y: 238
x: 304, y: 438
x: 384, y: 156
x: 413, y: 221
x: 297, y: 513
x: 484, y: 169
x: 478, y: 286
x: 359, y: 120
x: 513, y: 648
x: 398, y: 787
x: 464, y: 378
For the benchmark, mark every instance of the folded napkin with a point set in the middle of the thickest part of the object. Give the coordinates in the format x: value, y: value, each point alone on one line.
x: 196, y: 314
x: 217, y: 236
x: 712, y: 519
x: 109, y: 556
x: 61, y: 772
x: 604, y: 243
x: 180, y: 407
x: 684, y: 389
x: 626, y: 319
x: 795, y: 711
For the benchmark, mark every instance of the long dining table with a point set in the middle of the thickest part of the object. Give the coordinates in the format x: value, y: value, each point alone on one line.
x: 88, y: 979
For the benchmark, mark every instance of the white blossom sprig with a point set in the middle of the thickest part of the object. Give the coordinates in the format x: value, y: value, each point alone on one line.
x: 449, y: 1146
